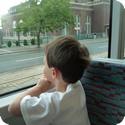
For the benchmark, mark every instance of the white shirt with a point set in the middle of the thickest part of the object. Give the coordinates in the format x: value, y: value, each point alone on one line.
x: 56, y: 108
x: 122, y: 122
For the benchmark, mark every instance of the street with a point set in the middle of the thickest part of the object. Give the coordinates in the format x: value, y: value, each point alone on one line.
x: 22, y: 66
x: 15, y: 59
x: 97, y: 48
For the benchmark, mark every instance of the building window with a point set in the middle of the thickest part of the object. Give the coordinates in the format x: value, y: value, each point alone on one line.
x: 77, y: 24
x: 88, y: 25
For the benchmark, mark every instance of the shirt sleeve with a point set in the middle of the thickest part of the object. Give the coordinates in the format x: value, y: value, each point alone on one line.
x: 38, y: 110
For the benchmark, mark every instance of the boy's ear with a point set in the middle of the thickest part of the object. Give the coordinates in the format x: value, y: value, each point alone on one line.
x: 54, y: 73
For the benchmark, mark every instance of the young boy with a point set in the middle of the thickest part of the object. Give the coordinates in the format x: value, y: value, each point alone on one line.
x: 62, y: 99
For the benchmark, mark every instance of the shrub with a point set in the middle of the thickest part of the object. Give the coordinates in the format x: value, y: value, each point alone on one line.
x: 32, y: 41
x: 9, y: 44
x: 17, y: 43
x: 25, y: 43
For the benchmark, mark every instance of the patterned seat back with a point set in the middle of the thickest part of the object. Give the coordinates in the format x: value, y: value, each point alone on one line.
x: 104, y: 84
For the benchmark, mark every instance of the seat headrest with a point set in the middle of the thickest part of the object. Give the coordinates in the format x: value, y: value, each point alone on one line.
x: 104, y: 85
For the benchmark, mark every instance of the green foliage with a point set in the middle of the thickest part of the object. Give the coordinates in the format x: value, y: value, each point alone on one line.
x: 25, y: 43
x: 58, y: 13
x: 19, y: 26
x: 9, y: 44
x: 48, y: 15
x: 33, y: 41
x: 32, y: 15
x: 17, y: 43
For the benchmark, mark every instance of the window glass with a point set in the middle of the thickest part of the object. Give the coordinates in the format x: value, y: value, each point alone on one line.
x: 27, y: 25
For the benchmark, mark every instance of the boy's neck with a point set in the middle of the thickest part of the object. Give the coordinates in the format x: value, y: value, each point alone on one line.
x: 61, y: 86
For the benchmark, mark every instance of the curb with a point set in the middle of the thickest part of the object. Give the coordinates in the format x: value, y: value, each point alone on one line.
x: 20, y: 49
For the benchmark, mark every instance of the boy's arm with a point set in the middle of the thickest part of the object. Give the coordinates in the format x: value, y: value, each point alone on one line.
x: 42, y: 86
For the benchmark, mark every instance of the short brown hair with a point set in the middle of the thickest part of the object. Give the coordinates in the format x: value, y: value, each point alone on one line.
x: 68, y: 56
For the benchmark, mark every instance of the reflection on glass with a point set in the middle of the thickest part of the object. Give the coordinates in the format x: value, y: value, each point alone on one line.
x: 28, y: 25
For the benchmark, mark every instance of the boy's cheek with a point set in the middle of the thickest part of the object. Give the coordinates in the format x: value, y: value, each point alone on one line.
x: 45, y: 72
x: 43, y: 69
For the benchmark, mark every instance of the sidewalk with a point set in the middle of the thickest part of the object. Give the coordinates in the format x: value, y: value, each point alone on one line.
x: 98, y: 40
x: 19, y: 49
x: 102, y: 55
x: 15, y: 80
x: 34, y: 47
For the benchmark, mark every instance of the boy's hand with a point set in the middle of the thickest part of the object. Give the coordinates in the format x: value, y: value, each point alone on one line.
x: 43, y: 83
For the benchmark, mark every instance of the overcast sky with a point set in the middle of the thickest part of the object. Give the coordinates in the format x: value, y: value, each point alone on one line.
x: 6, y: 4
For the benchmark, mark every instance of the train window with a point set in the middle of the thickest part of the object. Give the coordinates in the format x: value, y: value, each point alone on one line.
x: 27, y: 25
x: 118, y: 30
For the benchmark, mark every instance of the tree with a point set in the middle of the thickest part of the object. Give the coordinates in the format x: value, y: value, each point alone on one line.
x: 31, y: 16
x: 18, y: 30
x: 58, y: 13
x: 46, y: 15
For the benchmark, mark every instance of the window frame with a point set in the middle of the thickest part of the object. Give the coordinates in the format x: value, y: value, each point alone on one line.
x: 117, y: 30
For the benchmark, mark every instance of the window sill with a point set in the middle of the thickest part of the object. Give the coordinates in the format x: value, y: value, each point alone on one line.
x: 6, y: 116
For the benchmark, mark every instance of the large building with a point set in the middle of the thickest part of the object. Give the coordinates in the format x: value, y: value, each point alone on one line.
x: 91, y: 16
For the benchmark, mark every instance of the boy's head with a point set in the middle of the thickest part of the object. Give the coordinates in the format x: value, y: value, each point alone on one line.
x: 68, y: 56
